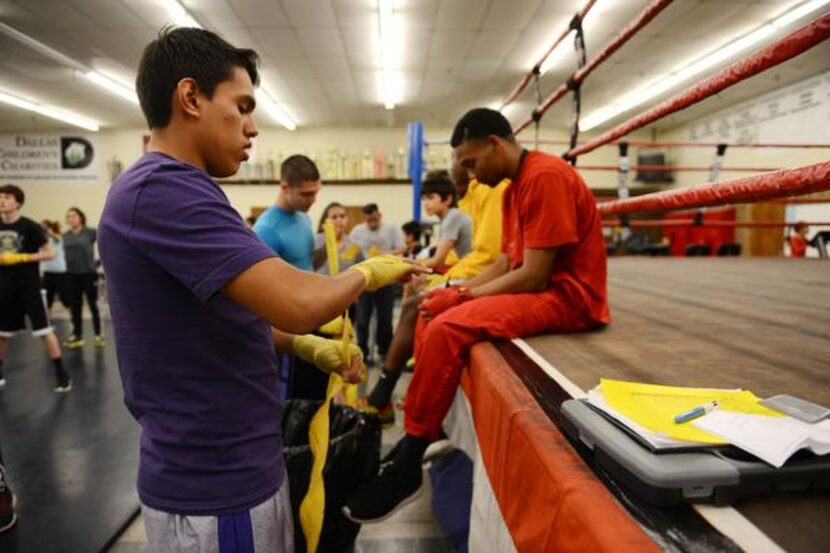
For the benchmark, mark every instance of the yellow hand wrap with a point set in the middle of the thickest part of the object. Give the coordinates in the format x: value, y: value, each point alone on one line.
x: 373, y: 251
x: 382, y: 270
x: 12, y: 258
x: 326, y: 355
x: 435, y: 281
x: 333, y: 328
x: 351, y: 252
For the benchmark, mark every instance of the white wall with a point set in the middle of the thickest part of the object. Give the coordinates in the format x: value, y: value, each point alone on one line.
x: 49, y: 200
x: 797, y: 113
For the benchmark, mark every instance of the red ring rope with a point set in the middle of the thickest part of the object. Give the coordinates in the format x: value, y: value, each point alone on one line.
x: 675, y: 144
x: 778, y: 184
x: 691, y: 222
x: 529, y: 76
x: 642, y: 19
x: 780, y: 51
x: 678, y: 168
x: 679, y: 144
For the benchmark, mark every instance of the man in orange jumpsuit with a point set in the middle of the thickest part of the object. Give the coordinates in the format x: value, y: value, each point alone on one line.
x: 549, y: 278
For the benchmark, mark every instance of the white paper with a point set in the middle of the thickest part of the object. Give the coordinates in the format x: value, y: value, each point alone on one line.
x: 657, y: 440
x: 773, y: 439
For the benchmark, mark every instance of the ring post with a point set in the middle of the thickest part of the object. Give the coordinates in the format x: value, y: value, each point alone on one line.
x: 415, y: 131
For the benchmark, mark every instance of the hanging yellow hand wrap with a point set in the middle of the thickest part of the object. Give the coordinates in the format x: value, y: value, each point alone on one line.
x: 313, y: 506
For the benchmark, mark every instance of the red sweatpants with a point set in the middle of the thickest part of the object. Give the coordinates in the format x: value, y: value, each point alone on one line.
x: 443, y: 345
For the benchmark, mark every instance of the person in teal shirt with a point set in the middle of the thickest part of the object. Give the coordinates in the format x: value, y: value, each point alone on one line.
x: 285, y: 227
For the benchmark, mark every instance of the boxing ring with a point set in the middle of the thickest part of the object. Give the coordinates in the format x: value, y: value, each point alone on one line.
x: 752, y: 323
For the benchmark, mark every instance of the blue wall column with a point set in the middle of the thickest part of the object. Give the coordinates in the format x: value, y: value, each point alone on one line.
x: 415, y: 131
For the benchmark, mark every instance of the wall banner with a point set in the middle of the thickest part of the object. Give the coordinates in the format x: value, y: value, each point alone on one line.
x: 53, y: 157
x: 798, y: 113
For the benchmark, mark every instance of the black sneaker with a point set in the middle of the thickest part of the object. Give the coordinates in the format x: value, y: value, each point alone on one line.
x: 385, y: 495
x: 8, y: 503
x: 436, y: 449
x: 63, y: 384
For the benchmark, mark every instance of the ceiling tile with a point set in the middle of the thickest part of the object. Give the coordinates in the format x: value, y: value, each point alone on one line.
x: 340, y: 91
x: 257, y: 13
x: 332, y: 67
x: 320, y: 57
x: 310, y: 13
x: 419, y: 14
x: 361, y: 48
x: 50, y: 14
x: 108, y: 13
x: 479, y: 70
x: 492, y: 45
x: 444, y: 68
x: 510, y: 15
x: 460, y: 15
x: 321, y: 42
x: 355, y: 14
x: 455, y: 44
x: 218, y: 15
x: 278, y: 43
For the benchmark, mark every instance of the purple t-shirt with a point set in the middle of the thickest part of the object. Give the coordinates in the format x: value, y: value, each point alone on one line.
x: 199, y: 370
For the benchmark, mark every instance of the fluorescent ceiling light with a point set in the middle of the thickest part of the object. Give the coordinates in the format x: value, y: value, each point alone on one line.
x: 109, y: 84
x: 112, y: 85
x: 50, y: 111
x: 696, y: 67
x: 274, y: 110
x: 388, y: 53
x: 178, y: 14
x: 558, y: 55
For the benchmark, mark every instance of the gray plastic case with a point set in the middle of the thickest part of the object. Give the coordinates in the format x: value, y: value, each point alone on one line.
x: 669, y: 478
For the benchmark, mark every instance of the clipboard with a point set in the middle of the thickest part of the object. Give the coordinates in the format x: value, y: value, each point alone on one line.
x: 708, y: 475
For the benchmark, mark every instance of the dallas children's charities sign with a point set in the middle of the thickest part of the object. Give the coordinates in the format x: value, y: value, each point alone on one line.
x: 48, y: 157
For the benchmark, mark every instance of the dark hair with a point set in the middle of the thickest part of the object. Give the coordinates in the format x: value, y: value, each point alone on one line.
x: 15, y: 191
x: 414, y: 228
x: 441, y: 184
x: 368, y: 209
x: 183, y: 52
x: 298, y: 169
x: 800, y: 225
x: 80, y: 213
x: 251, y: 220
x: 478, y: 124
x: 53, y: 226
x: 437, y: 174
x: 325, y: 214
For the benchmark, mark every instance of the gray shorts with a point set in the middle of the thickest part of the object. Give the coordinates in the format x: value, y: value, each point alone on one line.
x: 264, y: 528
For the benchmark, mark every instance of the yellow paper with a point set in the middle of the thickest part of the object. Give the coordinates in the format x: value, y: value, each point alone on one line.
x: 655, y: 407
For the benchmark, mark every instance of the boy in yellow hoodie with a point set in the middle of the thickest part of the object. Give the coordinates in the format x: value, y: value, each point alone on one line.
x: 483, y: 205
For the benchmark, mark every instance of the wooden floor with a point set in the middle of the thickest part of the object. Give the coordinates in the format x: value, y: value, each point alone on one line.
x: 757, y: 324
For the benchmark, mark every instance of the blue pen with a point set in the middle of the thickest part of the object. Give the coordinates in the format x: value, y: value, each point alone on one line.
x: 696, y: 412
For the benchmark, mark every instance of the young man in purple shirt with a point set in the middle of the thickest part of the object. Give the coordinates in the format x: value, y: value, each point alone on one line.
x: 198, y: 303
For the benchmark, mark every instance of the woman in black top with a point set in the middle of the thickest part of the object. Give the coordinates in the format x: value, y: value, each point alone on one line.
x: 81, y: 276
